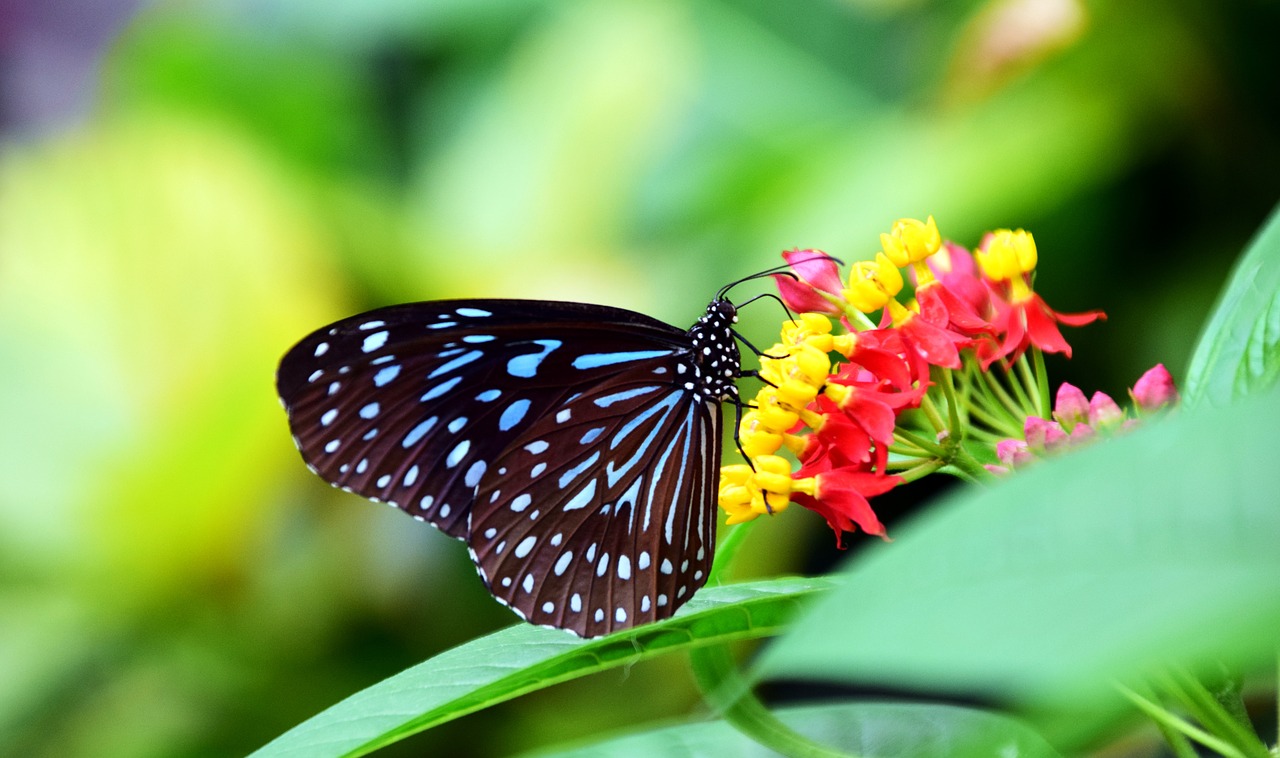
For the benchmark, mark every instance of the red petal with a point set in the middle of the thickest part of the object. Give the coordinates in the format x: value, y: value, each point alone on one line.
x: 801, y: 297
x: 1043, y: 329
x: 816, y: 268
x: 936, y: 346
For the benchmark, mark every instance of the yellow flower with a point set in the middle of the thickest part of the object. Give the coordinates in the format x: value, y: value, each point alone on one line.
x: 872, y: 284
x: 1007, y: 255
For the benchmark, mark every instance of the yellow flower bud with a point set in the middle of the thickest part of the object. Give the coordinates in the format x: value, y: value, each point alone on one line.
x: 1007, y: 255
x: 918, y: 239
x: 812, y: 363
x: 893, y: 249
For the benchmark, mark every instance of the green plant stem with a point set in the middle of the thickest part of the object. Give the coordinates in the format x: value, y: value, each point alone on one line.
x: 933, y: 449
x: 997, y: 391
x: 953, y: 406
x: 1206, y: 709
x: 904, y: 464
x: 1038, y: 396
x: 908, y: 451
x: 922, y: 470
x: 726, y: 550
x: 724, y: 688
x: 974, y: 469
x: 856, y: 316
x: 1042, y: 383
x: 997, y: 423
x: 1026, y: 405
x: 930, y: 410
x: 1164, y: 717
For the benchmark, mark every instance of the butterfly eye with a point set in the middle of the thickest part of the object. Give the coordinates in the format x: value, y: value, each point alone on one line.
x: 574, y: 448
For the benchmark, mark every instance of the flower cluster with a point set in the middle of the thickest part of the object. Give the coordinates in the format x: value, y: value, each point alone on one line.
x: 937, y: 365
x: 1078, y: 420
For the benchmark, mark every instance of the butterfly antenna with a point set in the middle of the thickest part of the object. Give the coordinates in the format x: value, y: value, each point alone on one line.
x: 782, y: 269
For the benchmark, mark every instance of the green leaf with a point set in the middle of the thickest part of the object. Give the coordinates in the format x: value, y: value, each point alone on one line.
x: 525, y: 658
x: 863, y: 729
x: 1157, y: 545
x: 1239, y: 351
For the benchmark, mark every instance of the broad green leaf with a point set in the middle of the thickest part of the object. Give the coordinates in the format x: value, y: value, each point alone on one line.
x: 1239, y: 351
x: 1157, y: 545
x: 525, y: 658
x: 870, y: 730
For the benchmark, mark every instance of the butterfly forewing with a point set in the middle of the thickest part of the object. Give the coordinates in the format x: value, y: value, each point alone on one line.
x: 574, y: 447
x: 602, y: 515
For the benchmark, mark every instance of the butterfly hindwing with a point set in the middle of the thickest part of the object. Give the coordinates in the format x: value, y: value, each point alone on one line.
x: 602, y: 515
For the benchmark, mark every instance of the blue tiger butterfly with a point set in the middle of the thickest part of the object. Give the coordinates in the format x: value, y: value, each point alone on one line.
x: 575, y: 448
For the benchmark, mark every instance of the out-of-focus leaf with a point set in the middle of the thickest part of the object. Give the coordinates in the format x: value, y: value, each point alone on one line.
x: 870, y: 730
x: 1156, y: 545
x: 525, y: 658
x: 1239, y: 351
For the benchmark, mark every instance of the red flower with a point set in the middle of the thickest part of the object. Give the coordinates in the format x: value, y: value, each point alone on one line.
x: 1030, y: 321
x: 840, y: 496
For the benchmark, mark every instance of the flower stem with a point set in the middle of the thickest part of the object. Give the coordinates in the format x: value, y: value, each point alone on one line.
x: 922, y: 470
x: 726, y: 691
x: 1042, y: 383
x: 963, y: 460
x: 1028, y: 407
x: 930, y: 410
x: 931, y: 448
x: 953, y: 407
x: 999, y: 424
x: 997, y: 391
x: 1167, y: 719
x: 726, y: 550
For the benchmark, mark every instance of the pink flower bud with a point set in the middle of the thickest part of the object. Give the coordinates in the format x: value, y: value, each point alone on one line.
x: 1154, y: 390
x: 1042, y: 434
x: 1103, y: 411
x: 1013, y: 453
x: 1071, y: 407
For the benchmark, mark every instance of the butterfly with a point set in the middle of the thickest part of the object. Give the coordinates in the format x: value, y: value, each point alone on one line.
x: 574, y: 448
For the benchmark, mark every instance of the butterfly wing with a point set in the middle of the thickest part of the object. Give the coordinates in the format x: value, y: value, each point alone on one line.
x: 602, y: 514
x: 412, y: 404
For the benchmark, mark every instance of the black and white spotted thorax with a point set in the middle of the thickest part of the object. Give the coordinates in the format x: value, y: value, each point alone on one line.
x: 713, y: 363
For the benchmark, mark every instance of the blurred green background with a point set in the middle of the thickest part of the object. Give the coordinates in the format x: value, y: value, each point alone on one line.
x: 188, y: 188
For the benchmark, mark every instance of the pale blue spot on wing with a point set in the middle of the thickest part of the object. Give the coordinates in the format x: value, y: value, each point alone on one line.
x: 513, y: 415
x: 475, y: 473
x: 582, y: 499
x: 478, y: 338
x: 374, y: 341
x: 526, y: 366
x: 591, y: 436
x: 617, y: 397
x: 473, y: 313
x: 441, y: 388
x: 457, y: 453
x: 369, y: 411
x: 489, y: 396
x: 458, y: 362
x: 596, y: 360
x: 567, y: 477
x: 666, y: 404
x: 442, y: 325
x: 383, y: 377
x: 418, y: 432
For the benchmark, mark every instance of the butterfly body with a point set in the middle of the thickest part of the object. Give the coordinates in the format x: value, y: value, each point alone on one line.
x: 573, y: 447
